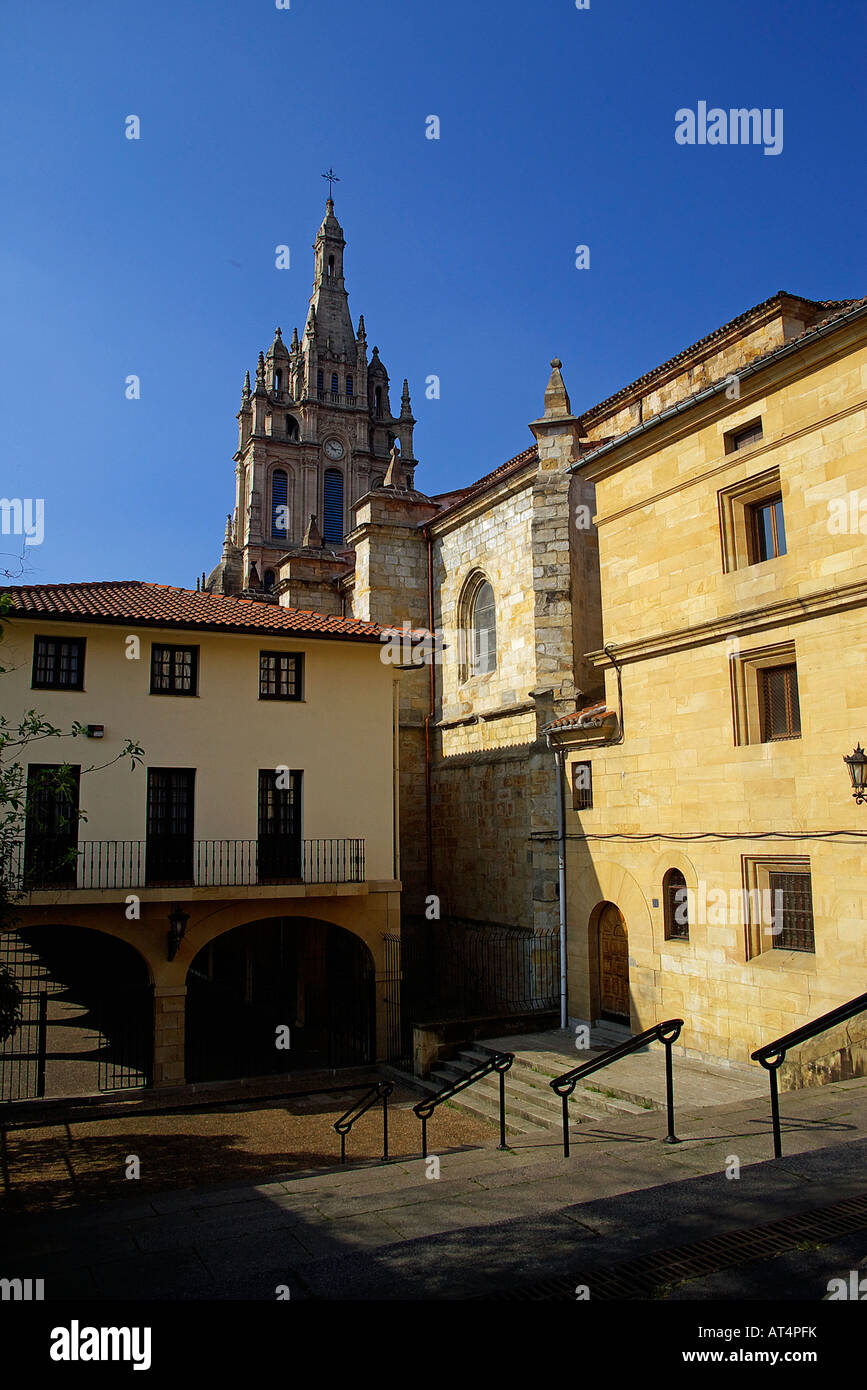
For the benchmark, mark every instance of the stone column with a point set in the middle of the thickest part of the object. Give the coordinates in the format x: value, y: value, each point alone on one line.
x: 169, y: 1025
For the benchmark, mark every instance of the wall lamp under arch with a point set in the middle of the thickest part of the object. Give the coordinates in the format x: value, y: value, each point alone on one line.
x: 178, y: 920
x: 857, y: 765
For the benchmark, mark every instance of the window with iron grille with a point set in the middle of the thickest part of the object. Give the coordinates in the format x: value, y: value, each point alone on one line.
x: 780, y: 710
x: 795, y: 904
x: 675, y: 906
x: 350, y: 386
x: 582, y: 786
x: 174, y: 670
x: 58, y: 663
x: 767, y: 530
x: 280, y: 675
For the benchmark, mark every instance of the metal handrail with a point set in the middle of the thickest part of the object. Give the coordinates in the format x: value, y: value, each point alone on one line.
x: 773, y: 1054
x: 666, y: 1033
x: 499, y: 1063
x: 381, y: 1091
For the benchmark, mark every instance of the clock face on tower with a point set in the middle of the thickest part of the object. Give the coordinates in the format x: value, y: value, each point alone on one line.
x: 334, y: 448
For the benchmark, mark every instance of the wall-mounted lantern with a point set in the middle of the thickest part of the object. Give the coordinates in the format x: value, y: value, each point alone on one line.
x: 857, y: 765
x: 178, y: 920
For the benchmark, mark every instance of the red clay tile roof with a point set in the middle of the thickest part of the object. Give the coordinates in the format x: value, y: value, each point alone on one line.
x: 590, y: 717
x: 134, y: 602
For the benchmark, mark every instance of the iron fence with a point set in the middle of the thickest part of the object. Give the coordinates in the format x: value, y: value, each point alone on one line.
x: 455, y: 971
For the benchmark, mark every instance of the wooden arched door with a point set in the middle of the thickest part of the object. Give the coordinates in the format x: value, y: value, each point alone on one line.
x: 613, y: 965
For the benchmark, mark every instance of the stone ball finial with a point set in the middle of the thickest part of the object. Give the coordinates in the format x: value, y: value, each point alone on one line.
x: 555, y: 362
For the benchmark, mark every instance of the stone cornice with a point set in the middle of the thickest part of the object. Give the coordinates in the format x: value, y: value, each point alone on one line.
x: 484, y: 502
x: 730, y: 461
x: 738, y: 624
x: 758, y: 379
x: 482, y: 716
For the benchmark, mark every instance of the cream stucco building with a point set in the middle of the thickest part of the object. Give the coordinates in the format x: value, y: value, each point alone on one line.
x: 266, y: 795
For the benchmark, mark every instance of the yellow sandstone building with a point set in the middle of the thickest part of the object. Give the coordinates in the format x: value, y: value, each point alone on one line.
x: 715, y: 853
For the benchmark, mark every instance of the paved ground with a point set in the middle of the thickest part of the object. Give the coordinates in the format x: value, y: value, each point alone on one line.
x: 85, y: 1159
x: 489, y: 1223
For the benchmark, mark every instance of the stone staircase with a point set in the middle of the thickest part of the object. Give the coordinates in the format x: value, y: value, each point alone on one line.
x: 632, y: 1086
x: 530, y: 1103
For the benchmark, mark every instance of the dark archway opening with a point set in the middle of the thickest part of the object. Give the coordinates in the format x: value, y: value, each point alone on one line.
x: 87, y: 1014
x: 245, y: 989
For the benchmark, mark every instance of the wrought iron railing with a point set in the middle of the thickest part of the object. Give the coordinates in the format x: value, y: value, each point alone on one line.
x: 499, y: 1063
x: 380, y: 1092
x: 457, y: 971
x: 773, y: 1054
x: 191, y: 863
x: 666, y: 1033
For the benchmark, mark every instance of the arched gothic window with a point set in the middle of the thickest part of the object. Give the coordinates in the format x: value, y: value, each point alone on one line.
x: 268, y: 581
x: 279, y: 505
x: 350, y: 386
x: 477, y: 622
x: 335, y: 384
x: 484, y: 629
x: 291, y: 427
x: 675, y: 904
x: 332, y: 530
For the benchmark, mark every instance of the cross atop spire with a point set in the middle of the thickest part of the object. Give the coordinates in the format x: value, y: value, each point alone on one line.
x: 332, y: 178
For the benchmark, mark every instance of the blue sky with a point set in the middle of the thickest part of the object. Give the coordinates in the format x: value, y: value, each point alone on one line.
x: 156, y: 256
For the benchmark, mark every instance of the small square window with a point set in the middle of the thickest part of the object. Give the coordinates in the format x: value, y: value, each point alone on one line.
x: 58, y: 663
x: 280, y: 675
x: 174, y: 670
x: 582, y: 786
x: 744, y: 437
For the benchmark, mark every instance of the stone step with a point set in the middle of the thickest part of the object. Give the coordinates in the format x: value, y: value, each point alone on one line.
x: 482, y: 1107
x: 528, y: 1096
x: 597, y: 1091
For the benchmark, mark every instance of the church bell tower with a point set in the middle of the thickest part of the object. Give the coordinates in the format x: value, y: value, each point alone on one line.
x: 315, y: 433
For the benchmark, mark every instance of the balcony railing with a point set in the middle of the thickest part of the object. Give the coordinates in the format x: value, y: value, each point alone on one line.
x: 336, y: 398
x: 192, y: 863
